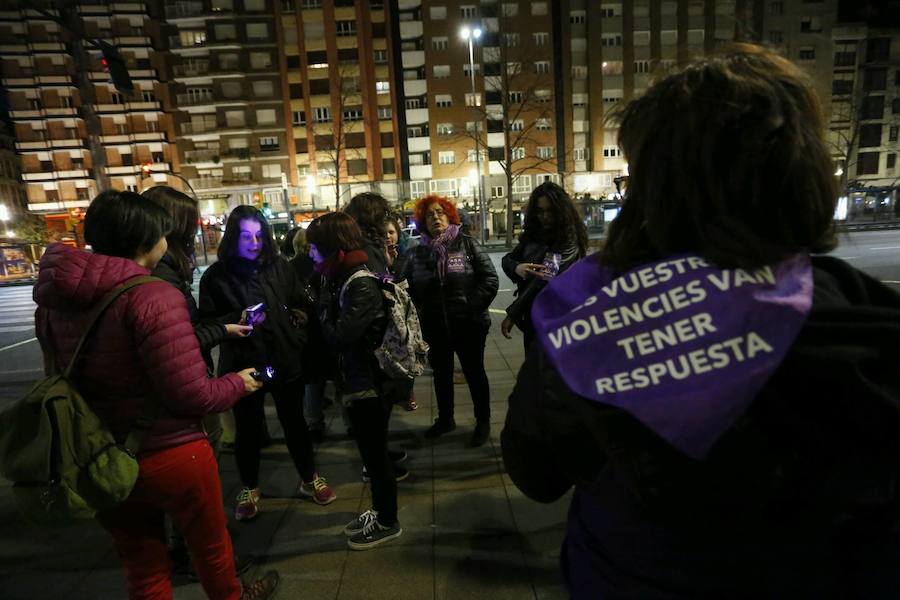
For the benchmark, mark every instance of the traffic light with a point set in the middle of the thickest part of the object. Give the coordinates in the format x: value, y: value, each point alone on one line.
x: 114, y: 64
x: 146, y: 169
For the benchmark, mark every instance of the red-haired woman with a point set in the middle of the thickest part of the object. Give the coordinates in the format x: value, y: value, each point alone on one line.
x: 452, y: 285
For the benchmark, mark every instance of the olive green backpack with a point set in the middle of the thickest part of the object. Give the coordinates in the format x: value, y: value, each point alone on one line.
x: 62, y: 459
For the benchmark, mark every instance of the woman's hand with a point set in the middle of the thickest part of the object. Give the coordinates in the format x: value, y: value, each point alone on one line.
x: 260, y: 319
x: 391, y: 252
x: 234, y: 330
x: 526, y: 270
x: 250, y: 385
x: 506, y: 328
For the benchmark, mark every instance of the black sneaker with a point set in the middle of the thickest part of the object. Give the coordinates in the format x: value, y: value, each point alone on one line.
x: 480, y: 435
x: 359, y: 523
x: 261, y: 589
x: 374, y: 534
x: 400, y: 473
x: 439, y: 428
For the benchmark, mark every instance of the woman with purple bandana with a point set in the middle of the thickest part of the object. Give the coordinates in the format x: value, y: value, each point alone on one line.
x: 725, y: 402
x: 452, y: 284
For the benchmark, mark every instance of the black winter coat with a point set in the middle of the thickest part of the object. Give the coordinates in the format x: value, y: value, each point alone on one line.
x: 227, y: 289
x: 210, y: 332
x: 463, y: 298
x: 797, y: 500
x: 528, y: 289
x: 354, y: 327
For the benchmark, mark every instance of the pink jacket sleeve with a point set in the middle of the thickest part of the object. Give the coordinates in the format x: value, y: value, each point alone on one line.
x: 171, y: 356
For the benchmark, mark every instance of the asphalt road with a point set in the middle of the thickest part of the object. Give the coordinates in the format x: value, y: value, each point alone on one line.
x: 875, y: 252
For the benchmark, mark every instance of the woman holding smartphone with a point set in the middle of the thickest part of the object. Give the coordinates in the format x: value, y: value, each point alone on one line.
x: 554, y: 239
x: 250, y: 272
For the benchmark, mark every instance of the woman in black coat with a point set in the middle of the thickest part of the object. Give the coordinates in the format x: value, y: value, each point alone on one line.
x: 354, y: 319
x: 553, y: 240
x: 250, y: 272
x: 452, y: 284
x: 724, y: 400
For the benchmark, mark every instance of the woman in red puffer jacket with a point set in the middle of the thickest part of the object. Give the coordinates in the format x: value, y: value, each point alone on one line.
x: 144, y: 345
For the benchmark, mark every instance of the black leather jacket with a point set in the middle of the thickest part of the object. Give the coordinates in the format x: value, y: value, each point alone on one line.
x: 354, y: 327
x: 463, y: 298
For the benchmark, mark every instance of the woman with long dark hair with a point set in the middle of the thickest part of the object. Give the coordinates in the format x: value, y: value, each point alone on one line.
x: 553, y: 240
x: 354, y: 319
x: 452, y: 283
x: 724, y: 399
x: 369, y: 211
x: 251, y: 273
x: 144, y: 346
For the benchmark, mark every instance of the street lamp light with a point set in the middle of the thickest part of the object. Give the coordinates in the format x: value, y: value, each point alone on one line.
x: 470, y: 35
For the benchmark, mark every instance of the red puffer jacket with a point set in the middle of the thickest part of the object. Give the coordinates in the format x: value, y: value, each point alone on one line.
x: 144, y: 344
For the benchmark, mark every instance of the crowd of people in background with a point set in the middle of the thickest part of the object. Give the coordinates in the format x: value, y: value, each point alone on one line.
x: 788, y: 492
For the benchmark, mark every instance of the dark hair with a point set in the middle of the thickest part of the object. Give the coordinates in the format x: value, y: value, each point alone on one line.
x: 424, y: 202
x: 369, y: 210
x: 229, y: 245
x: 335, y: 231
x: 124, y: 224
x: 287, y: 244
x: 184, y: 213
x: 727, y: 159
x: 567, y: 222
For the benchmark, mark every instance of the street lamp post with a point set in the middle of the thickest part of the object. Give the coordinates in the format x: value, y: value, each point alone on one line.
x: 470, y: 35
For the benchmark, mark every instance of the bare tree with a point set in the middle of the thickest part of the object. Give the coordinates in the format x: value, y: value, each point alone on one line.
x: 518, y: 102
x: 346, y: 121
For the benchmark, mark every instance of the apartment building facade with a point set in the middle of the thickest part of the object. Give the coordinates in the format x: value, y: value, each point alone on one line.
x: 75, y: 132
x: 12, y: 195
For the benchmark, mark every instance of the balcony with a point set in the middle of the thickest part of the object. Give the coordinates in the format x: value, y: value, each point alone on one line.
x: 195, y: 99
x: 197, y: 127
x: 191, y: 69
x: 199, y: 183
x: 410, y: 30
x: 237, y: 154
x: 201, y: 156
x: 419, y: 144
x: 181, y: 10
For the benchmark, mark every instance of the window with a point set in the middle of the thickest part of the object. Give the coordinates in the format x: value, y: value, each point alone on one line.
x: 468, y: 11
x: 413, y: 103
x: 892, y: 133
x: 579, y: 100
x: 869, y: 135
x: 810, y: 24
x: 472, y: 156
x: 511, y: 40
x: 542, y: 67
x: 321, y: 114
x: 872, y: 107
x: 263, y: 89
x: 579, y: 154
x: 517, y: 125
x: 891, y: 161
x: 446, y: 187
x: 776, y: 37
x: 579, y: 72
x: 577, y: 17
x: 225, y: 31
x: 381, y: 56
x: 257, y: 31
x: 509, y: 9
x: 265, y: 116
x: 543, y: 125
x: 353, y: 114
x: 385, y: 113
x: 445, y: 128
x: 874, y: 80
x: 515, y: 97
x: 611, y: 151
x: 260, y: 60
x: 776, y: 8
x: 807, y: 53
x: 542, y: 95
x: 844, y: 54
x: 441, y: 71
x: 539, y: 9
x: 440, y: 43
x: 271, y: 171
x: 878, y: 50
x: 842, y: 84
x: 443, y: 100
x: 413, y: 132
x: 268, y: 143
x: 497, y: 191
x: 611, y: 39
x: 231, y: 89
x: 540, y: 38
x: 517, y: 153
x: 473, y: 99
x: 346, y: 28
x: 468, y: 72
x: 438, y: 12
x: 895, y: 106
x: 417, y: 188
x: 642, y: 66
x: 545, y: 151
x: 382, y: 87
x: 446, y: 158
x: 867, y: 163
x: 496, y: 153
x: 298, y: 117
x: 192, y: 38
x: 522, y: 184
x: 311, y: 3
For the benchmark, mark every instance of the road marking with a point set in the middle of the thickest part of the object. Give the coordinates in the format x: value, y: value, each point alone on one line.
x: 505, y: 290
x: 16, y: 329
x: 16, y: 345
x: 497, y: 311
x: 886, y: 248
x: 890, y: 281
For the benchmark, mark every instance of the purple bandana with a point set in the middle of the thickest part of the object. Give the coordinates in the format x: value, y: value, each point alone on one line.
x: 439, y: 247
x: 681, y: 345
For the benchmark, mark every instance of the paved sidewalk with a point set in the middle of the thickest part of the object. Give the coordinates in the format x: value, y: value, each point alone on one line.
x: 467, y: 531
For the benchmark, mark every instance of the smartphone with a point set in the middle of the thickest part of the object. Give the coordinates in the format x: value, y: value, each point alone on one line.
x: 255, y: 312
x: 265, y: 375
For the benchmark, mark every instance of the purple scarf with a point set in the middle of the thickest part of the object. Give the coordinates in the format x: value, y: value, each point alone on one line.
x: 439, y: 247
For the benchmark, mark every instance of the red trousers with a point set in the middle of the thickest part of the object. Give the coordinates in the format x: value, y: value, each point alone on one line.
x: 182, y: 482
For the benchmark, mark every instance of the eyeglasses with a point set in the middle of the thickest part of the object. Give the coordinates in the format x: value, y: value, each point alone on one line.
x: 435, y: 214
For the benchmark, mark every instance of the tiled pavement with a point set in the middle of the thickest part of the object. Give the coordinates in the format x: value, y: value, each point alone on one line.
x: 467, y: 531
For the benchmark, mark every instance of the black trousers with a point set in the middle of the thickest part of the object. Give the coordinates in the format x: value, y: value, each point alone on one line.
x: 369, y: 418
x: 468, y: 343
x: 249, y: 413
